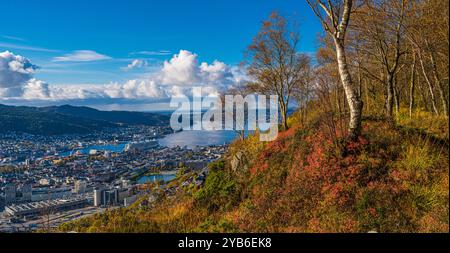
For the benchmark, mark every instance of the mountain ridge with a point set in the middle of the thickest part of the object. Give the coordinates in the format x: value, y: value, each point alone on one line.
x: 67, y: 119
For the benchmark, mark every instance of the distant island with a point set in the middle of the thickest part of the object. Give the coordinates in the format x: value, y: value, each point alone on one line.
x: 67, y: 119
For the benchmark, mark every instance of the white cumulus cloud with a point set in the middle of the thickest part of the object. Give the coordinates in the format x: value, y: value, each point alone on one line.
x: 36, y: 89
x: 135, y: 89
x: 214, y: 72
x: 15, y: 72
x: 136, y: 64
x: 181, y: 69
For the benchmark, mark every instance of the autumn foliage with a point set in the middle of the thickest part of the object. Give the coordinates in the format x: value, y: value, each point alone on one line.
x: 388, y: 180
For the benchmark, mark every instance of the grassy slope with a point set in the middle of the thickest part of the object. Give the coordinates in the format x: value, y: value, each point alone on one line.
x: 390, y: 180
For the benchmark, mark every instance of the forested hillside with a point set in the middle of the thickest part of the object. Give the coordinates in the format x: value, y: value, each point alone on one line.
x: 67, y: 119
x: 32, y: 120
x: 122, y: 117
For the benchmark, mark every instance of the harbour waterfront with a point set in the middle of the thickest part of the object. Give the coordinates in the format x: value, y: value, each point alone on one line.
x: 115, y: 148
x: 189, y: 139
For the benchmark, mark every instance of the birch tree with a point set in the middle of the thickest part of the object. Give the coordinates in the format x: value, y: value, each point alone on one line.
x: 335, y: 19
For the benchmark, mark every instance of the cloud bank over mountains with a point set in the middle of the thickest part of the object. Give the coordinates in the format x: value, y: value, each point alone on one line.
x: 176, y: 77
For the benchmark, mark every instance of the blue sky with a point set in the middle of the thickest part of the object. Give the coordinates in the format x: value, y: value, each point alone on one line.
x: 116, y: 31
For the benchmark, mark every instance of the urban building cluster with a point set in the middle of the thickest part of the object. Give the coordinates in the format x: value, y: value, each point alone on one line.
x: 56, y: 175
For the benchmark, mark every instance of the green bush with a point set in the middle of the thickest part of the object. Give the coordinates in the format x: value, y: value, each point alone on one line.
x: 220, y: 190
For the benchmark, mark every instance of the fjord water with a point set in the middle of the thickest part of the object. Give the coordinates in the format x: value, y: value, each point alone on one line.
x: 200, y: 138
x: 193, y: 138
